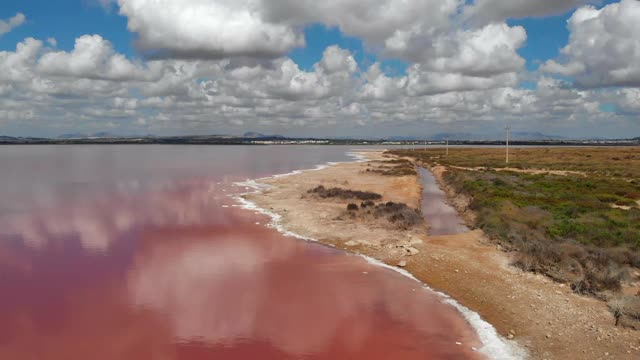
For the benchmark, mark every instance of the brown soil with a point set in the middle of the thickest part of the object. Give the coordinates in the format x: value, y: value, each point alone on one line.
x: 545, y: 317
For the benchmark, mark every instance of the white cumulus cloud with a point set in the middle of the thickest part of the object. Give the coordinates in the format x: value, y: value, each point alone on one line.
x: 271, y: 28
x: 11, y: 23
x: 491, y: 50
x: 207, y: 28
x: 418, y: 31
x: 486, y: 11
x: 603, y: 48
x: 92, y: 57
x: 222, y: 66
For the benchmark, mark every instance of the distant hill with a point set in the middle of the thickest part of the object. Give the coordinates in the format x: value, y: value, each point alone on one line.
x: 457, y: 137
x: 252, y: 138
x: 19, y: 139
x: 516, y: 136
x: 72, y: 136
x: 102, y: 134
x: 535, y: 136
x: 255, y: 135
x: 402, y: 138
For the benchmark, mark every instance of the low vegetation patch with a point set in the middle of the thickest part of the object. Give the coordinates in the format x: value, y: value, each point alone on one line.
x: 562, y: 226
x: 398, y: 215
x: 570, y: 228
x: 395, y: 167
x: 345, y: 194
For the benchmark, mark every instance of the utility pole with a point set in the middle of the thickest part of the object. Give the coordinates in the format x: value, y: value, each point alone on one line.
x: 447, y: 146
x: 508, y: 128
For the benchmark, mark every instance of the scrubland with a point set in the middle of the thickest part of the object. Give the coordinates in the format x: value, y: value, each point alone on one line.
x: 572, y: 214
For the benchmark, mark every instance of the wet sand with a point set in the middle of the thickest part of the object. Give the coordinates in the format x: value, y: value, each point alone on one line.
x: 543, y: 317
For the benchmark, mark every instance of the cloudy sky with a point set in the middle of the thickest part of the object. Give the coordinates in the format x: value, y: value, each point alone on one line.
x: 320, y: 68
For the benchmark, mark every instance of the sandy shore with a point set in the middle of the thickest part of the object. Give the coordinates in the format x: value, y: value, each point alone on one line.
x: 544, y: 317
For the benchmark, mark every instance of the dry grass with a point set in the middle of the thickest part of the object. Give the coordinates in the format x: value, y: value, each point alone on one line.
x: 620, y: 162
x: 395, y: 167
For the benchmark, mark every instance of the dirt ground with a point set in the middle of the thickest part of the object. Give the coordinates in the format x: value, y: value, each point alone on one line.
x: 544, y: 317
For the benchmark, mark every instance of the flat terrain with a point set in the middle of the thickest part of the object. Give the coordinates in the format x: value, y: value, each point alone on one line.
x: 572, y: 214
x: 546, y: 317
x: 618, y: 162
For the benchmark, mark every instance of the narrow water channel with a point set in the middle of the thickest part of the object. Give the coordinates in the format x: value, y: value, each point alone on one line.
x: 442, y: 218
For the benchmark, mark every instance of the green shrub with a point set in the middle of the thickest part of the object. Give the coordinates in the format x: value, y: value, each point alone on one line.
x: 562, y: 226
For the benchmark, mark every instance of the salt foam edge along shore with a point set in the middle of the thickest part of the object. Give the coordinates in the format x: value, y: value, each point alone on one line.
x: 494, y: 346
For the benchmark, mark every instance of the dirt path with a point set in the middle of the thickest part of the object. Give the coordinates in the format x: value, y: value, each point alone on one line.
x: 523, y: 171
x: 546, y: 318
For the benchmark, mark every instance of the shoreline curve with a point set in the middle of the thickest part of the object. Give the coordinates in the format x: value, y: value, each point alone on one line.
x: 494, y: 345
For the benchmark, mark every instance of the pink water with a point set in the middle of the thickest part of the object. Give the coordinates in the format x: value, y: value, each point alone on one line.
x: 130, y: 252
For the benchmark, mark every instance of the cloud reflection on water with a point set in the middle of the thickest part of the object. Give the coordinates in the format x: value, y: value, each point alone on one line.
x: 97, y: 221
x: 301, y: 299
x: 171, y: 268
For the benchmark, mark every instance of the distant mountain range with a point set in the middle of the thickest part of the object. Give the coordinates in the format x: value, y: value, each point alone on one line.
x: 516, y: 136
x: 255, y: 135
x: 14, y: 138
x: 102, y: 134
x: 452, y: 136
x: 252, y: 137
x: 523, y: 135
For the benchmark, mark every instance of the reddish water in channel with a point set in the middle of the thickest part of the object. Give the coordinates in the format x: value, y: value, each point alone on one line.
x: 442, y: 218
x: 139, y: 253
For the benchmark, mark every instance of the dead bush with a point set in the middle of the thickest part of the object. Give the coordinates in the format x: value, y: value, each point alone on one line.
x: 367, y: 204
x: 352, y: 207
x: 398, y: 215
x: 325, y: 193
x: 597, y: 280
x: 396, y: 161
x: 626, y: 310
x: 589, y: 270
